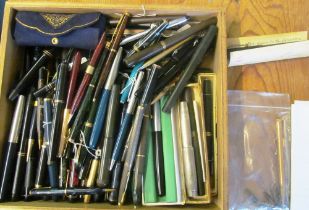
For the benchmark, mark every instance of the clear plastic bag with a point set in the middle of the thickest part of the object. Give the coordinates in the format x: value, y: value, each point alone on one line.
x: 259, y: 150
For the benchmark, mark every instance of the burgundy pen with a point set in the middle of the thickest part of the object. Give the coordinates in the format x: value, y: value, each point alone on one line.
x: 71, y: 90
x: 88, y: 74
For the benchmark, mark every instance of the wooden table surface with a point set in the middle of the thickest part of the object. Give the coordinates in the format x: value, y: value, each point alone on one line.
x: 254, y: 17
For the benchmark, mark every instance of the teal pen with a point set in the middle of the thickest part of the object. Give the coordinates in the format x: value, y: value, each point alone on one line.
x: 127, y: 88
x: 101, y: 113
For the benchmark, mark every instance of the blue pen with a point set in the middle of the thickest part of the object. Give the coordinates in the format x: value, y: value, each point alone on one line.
x: 129, y: 83
x: 101, y: 113
x: 125, y: 125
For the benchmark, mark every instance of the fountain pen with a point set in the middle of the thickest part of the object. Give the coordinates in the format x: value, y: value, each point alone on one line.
x: 47, y: 191
x: 11, y: 150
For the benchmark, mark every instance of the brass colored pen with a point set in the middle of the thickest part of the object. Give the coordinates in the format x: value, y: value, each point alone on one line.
x: 91, y: 177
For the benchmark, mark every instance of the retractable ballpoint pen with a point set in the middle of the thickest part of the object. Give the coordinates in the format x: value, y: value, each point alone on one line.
x: 136, y: 127
x: 11, y: 150
x: 101, y: 113
x: 22, y: 152
x: 126, y: 124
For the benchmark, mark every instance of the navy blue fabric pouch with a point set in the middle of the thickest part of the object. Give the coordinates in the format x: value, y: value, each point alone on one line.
x: 81, y: 31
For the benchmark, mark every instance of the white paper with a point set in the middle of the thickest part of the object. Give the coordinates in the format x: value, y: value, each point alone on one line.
x: 269, y: 53
x: 300, y: 156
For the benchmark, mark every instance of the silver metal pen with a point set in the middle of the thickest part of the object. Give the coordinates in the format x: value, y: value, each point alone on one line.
x: 188, y: 152
x: 136, y: 36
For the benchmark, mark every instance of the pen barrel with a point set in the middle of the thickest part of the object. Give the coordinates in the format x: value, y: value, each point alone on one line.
x: 98, y: 50
x: 30, y: 74
x: 19, y: 175
x: 103, y: 179
x: 91, y: 178
x: 39, y: 121
x: 159, y: 162
x: 64, y: 133
x: 63, y: 172
x: 99, y: 120
x: 41, y: 92
x: 190, y: 171
x: 41, y: 167
x: 115, y: 182
x: 121, y: 136
x: 7, y: 170
x: 29, y: 176
x: 53, y: 176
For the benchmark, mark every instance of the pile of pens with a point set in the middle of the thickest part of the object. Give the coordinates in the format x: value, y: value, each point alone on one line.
x: 79, y: 127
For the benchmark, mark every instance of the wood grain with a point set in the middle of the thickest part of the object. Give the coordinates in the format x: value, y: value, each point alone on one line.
x: 260, y: 17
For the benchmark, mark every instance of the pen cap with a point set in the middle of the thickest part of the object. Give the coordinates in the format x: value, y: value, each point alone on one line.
x: 17, y: 119
x: 176, y: 22
x: 132, y: 97
x: 185, y: 125
x: 114, y: 70
x: 150, y: 86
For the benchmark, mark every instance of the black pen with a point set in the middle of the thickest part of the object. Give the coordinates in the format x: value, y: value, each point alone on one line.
x: 21, y: 156
x: 139, y: 168
x: 30, y: 74
x: 47, y: 191
x: 195, y: 60
x: 11, y: 150
x: 32, y: 149
x: 158, y: 150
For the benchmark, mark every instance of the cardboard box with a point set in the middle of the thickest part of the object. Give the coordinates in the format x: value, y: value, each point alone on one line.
x: 11, y: 59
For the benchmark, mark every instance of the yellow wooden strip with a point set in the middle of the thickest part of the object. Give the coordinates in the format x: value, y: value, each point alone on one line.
x: 253, y: 41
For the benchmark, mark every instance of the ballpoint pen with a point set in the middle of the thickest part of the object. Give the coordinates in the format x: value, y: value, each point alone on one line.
x: 128, y: 86
x: 47, y: 191
x: 47, y: 126
x: 195, y: 142
x: 21, y: 156
x: 195, y: 60
x: 101, y: 113
x: 147, y: 40
x: 136, y: 127
x: 10, y: 156
x: 83, y: 110
x: 103, y: 179
x: 139, y: 168
x: 45, y: 89
x: 30, y: 74
x: 32, y: 149
x: 91, y: 177
x: 59, y: 105
x: 88, y: 74
x: 188, y: 152
x: 126, y: 124
x: 162, y: 45
x: 39, y: 122
x: 158, y: 150
x: 69, y: 100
